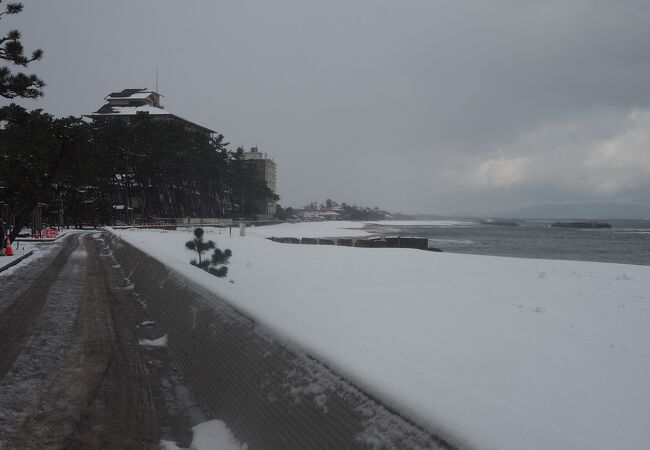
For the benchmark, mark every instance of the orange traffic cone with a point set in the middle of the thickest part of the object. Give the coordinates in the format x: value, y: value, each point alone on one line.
x: 9, y: 250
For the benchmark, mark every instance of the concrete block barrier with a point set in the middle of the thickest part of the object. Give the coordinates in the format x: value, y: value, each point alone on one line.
x: 392, y: 241
x: 406, y: 242
x: 421, y: 243
x: 374, y: 242
x: 414, y: 242
x: 271, y: 394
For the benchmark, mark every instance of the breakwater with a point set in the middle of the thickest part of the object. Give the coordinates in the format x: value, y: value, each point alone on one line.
x: 373, y: 242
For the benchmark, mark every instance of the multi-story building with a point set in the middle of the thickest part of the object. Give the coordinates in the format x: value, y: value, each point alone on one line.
x: 266, y: 170
x: 130, y: 102
x: 124, y: 105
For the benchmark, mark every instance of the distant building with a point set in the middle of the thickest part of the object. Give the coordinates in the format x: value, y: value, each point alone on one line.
x: 266, y: 170
x: 130, y: 102
x: 328, y: 214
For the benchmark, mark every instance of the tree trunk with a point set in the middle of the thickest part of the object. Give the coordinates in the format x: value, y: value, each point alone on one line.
x: 22, y: 219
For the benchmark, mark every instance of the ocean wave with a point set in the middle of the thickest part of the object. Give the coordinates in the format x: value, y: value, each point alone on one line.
x: 632, y: 230
x: 452, y: 241
x: 422, y: 223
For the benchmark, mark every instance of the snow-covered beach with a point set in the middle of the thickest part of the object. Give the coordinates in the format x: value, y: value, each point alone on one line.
x: 492, y: 352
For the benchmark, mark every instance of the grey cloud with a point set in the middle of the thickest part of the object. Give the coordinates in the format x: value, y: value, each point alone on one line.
x: 375, y: 102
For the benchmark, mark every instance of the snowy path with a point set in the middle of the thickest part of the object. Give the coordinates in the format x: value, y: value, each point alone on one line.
x: 70, y: 376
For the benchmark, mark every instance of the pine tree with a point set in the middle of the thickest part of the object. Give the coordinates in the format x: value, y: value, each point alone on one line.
x: 199, y: 246
x: 11, y: 49
x: 218, y: 262
x: 215, y: 265
x: 49, y: 158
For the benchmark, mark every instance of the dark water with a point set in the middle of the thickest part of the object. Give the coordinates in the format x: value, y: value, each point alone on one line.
x: 626, y: 242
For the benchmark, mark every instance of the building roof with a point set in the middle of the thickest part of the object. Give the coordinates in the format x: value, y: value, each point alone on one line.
x: 113, y: 110
x: 141, y: 103
x: 135, y: 96
x: 125, y: 111
x: 126, y: 92
x: 131, y: 94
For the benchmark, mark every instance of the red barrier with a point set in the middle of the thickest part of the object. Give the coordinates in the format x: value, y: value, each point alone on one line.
x: 50, y: 234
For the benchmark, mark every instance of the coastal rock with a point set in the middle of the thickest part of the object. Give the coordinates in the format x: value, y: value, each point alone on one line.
x: 503, y: 223
x: 581, y: 225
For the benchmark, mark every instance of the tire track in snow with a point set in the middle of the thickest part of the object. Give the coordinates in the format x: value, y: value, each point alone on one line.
x: 18, y: 319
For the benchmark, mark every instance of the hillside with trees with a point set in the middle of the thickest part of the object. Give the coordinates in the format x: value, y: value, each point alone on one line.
x: 333, y: 210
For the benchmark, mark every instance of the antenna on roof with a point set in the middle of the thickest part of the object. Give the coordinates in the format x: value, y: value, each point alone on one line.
x: 156, y: 79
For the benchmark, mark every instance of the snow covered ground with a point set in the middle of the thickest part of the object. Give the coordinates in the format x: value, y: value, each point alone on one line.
x: 39, y: 248
x: 20, y: 249
x: 312, y: 230
x: 492, y: 352
x: 211, y: 435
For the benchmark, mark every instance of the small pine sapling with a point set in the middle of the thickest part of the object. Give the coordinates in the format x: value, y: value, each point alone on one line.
x: 199, y: 246
x: 220, y: 258
x: 217, y: 264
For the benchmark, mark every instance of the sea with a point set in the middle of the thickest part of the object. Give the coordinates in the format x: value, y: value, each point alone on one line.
x: 627, y: 242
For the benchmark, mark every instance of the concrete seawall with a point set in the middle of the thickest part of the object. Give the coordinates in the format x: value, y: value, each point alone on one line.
x: 271, y: 395
x: 371, y: 242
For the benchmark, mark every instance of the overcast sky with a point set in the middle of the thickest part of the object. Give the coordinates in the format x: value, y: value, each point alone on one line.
x: 415, y: 106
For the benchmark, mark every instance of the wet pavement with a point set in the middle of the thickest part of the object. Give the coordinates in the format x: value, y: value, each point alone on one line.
x: 72, y: 374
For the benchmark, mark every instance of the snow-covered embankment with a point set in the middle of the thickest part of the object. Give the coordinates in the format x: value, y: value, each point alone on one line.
x: 266, y: 390
x: 498, y: 353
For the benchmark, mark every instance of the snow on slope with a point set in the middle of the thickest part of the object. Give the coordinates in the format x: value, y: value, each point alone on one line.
x: 214, y: 435
x: 20, y: 249
x: 493, y: 352
x: 211, y: 435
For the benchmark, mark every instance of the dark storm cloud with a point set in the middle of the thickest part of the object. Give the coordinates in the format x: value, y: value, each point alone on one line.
x: 436, y: 106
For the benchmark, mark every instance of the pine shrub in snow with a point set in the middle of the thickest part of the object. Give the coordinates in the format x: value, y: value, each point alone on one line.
x: 215, y: 265
x: 219, y: 261
x: 199, y: 246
